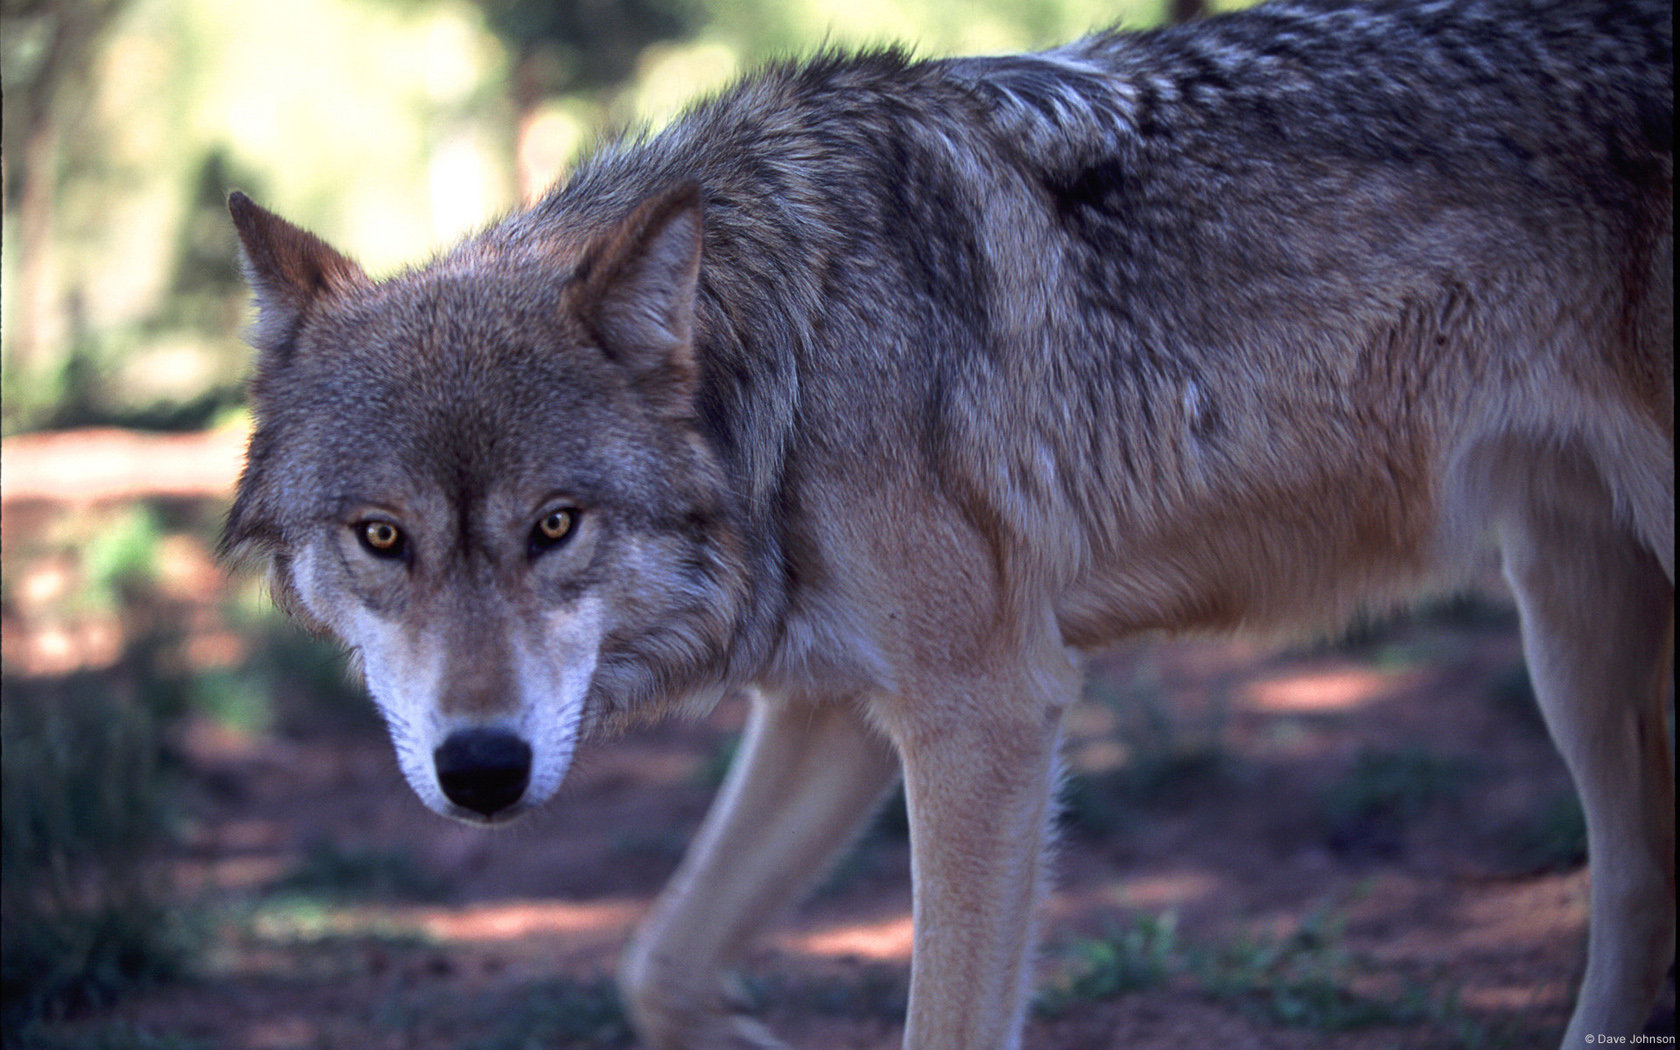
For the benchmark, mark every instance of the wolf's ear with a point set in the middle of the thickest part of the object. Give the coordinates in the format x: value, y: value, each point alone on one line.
x: 635, y: 291
x: 288, y: 268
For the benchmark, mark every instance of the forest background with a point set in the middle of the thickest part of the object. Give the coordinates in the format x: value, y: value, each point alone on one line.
x: 1359, y: 842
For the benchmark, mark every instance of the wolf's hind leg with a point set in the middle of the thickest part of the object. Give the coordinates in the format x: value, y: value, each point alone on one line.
x: 1598, y: 631
x: 805, y: 780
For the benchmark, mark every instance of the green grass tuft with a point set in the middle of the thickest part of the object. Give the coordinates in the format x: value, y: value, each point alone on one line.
x: 334, y: 872
x: 1386, y: 790
x: 83, y: 915
x: 1304, y: 979
x: 560, y: 1015
x: 1123, y: 961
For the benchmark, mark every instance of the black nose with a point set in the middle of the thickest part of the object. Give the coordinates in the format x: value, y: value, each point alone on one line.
x: 484, y: 770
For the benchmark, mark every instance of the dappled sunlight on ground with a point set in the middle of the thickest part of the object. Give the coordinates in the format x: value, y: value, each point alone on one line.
x: 886, y: 940
x: 1161, y: 892
x: 1553, y: 906
x: 77, y: 533
x: 1230, y: 792
x: 515, y: 920
x: 61, y: 648
x: 1324, y: 691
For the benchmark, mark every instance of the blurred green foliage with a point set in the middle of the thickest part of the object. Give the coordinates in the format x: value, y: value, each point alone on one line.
x: 1126, y: 959
x: 1368, y: 808
x: 121, y: 556
x: 391, y: 126
x: 95, y: 787
x: 337, y: 872
x: 557, y: 1012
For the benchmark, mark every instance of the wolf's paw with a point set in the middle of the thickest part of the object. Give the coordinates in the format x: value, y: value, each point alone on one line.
x: 737, y: 1032
x: 711, y: 1032
x: 672, y: 1015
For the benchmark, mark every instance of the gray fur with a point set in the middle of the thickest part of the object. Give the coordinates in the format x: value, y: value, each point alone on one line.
x: 1248, y: 323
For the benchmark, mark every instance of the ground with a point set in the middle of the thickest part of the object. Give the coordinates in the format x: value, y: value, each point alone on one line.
x: 1359, y: 844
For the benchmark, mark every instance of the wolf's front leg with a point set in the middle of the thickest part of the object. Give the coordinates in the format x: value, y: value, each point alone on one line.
x: 978, y: 780
x: 805, y: 780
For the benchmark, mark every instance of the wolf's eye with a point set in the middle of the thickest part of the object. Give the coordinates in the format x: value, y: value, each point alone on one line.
x: 381, y: 538
x: 553, y: 529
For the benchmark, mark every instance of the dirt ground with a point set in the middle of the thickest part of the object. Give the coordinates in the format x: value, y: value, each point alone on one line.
x: 1326, y: 845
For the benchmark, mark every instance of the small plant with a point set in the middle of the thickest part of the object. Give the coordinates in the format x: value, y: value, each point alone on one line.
x: 1098, y: 806
x: 1169, y: 751
x: 892, y: 820
x: 1471, y: 611
x: 122, y: 558
x: 1373, y: 802
x: 1126, y: 960
x: 332, y: 932
x: 560, y: 1014
x: 1303, y: 980
x: 338, y: 872
x: 290, y: 681
x: 83, y: 916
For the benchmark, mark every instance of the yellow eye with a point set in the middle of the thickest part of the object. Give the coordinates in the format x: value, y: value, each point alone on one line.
x: 381, y: 537
x: 553, y: 528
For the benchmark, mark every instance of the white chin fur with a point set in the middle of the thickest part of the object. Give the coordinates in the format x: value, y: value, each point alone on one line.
x: 553, y: 668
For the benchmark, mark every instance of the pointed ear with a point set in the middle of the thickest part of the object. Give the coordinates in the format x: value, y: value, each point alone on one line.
x: 288, y: 267
x: 635, y: 290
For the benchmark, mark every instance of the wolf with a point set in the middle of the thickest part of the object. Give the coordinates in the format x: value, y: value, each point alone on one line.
x: 885, y: 388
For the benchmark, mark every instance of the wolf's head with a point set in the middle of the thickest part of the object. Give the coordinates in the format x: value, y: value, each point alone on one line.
x: 485, y: 478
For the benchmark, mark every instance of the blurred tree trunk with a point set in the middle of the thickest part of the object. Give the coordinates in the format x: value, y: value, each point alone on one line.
x: 578, y: 48
x: 529, y: 88
x: 1181, y: 11
x: 32, y: 308
x: 53, y: 43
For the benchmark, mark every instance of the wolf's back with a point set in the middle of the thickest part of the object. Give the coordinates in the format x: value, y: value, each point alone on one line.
x: 1366, y: 79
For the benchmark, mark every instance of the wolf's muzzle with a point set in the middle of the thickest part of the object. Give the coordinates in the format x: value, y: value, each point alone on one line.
x: 484, y: 770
